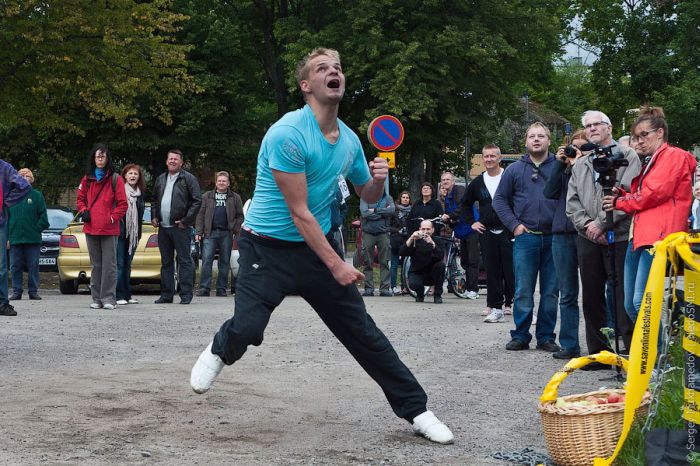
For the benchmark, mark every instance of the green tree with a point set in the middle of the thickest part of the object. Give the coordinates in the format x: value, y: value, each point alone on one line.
x: 445, y: 68
x: 70, y: 68
x: 647, y: 55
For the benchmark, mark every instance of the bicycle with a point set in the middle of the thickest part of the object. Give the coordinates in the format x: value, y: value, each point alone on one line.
x: 454, y: 273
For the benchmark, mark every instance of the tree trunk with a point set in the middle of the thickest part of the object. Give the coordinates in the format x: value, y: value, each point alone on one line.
x: 416, y: 174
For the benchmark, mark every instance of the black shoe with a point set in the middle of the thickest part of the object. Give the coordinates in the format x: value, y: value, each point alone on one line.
x: 437, y: 299
x: 420, y: 299
x: 34, y: 296
x: 204, y: 293
x: 596, y: 366
x: 7, y: 310
x: 15, y: 296
x: 549, y: 346
x: 368, y: 293
x: 386, y: 293
x: 517, y: 345
x: 566, y: 354
x: 186, y: 299
x: 162, y: 300
x: 221, y: 293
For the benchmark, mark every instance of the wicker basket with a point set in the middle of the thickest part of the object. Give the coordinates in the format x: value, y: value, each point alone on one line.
x: 575, y: 435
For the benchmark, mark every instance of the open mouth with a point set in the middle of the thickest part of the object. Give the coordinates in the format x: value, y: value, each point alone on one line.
x: 334, y: 83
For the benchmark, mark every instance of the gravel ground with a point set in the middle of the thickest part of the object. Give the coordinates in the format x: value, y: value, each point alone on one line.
x: 112, y: 387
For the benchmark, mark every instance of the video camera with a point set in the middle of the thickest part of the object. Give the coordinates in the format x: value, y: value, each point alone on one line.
x: 606, y: 163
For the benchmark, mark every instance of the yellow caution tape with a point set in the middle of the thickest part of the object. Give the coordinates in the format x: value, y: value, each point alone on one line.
x: 691, y: 410
x: 691, y: 339
x: 550, y: 392
x: 644, y: 341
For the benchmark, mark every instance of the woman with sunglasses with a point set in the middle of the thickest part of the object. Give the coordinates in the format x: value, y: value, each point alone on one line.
x: 659, y: 200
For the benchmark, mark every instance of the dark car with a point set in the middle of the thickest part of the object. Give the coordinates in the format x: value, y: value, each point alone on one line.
x: 59, y: 218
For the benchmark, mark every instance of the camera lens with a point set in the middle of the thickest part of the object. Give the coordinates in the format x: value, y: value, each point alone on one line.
x: 570, y: 151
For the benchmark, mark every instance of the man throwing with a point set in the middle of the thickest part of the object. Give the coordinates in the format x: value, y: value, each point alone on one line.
x: 303, y: 159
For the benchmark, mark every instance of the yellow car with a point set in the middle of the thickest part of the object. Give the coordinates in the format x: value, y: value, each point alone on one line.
x: 74, y: 260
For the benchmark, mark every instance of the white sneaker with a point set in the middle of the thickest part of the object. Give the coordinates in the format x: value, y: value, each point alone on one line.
x: 205, y: 370
x: 396, y: 290
x: 472, y: 295
x: 122, y: 302
x: 486, y: 311
x: 95, y: 306
x: 431, y: 428
x: 108, y: 306
x: 133, y: 301
x: 496, y: 316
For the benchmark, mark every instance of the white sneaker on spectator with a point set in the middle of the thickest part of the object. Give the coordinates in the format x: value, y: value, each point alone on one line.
x: 496, y: 316
x: 430, y: 427
x: 108, y: 306
x: 133, y: 301
x: 205, y: 370
x: 473, y: 294
x: 396, y: 290
x: 95, y: 306
x: 122, y: 302
x: 486, y: 311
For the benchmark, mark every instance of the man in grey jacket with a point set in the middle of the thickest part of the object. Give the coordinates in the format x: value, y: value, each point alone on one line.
x: 176, y: 202
x: 219, y: 219
x: 584, y: 209
x: 376, y: 220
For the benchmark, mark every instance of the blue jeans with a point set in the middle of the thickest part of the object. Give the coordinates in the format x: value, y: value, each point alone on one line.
x: 124, y: 269
x: 3, y: 266
x: 21, y: 256
x: 565, y: 256
x: 221, y: 240
x: 637, y: 267
x: 532, y: 254
x: 395, y: 261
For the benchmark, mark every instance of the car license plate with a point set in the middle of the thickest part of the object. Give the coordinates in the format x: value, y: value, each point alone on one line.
x: 47, y: 261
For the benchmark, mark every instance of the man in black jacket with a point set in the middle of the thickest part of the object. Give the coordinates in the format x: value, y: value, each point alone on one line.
x: 176, y: 202
x: 495, y: 238
x: 427, y: 266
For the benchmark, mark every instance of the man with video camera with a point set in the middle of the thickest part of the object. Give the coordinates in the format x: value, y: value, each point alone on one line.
x: 427, y: 266
x: 607, y: 166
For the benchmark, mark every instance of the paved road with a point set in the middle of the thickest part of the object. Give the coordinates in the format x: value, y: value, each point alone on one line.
x: 111, y: 387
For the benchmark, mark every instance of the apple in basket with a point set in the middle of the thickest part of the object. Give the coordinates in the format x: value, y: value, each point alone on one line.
x: 616, y: 398
x: 596, y: 400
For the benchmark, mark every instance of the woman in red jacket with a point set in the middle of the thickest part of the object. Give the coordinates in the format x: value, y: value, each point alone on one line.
x: 102, y: 203
x: 659, y: 201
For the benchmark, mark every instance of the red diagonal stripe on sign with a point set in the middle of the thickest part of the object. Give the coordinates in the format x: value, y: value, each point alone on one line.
x: 393, y: 139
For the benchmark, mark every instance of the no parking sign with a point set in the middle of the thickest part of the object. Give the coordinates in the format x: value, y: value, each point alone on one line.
x: 386, y: 134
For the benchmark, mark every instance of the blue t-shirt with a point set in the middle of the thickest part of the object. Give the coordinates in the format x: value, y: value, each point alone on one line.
x: 295, y: 144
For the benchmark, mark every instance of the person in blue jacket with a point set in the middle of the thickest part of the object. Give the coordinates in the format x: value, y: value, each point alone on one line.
x: 13, y: 188
x: 521, y: 205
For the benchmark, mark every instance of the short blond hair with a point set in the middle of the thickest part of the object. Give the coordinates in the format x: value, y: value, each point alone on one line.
x: 26, y: 171
x: 223, y: 173
x: 302, y: 71
x: 539, y: 124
